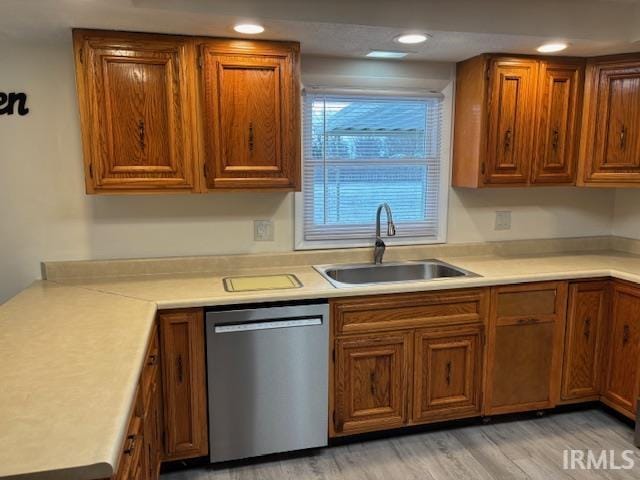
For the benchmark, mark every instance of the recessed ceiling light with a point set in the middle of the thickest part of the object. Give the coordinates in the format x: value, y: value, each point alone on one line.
x: 412, y: 38
x: 552, y: 47
x: 249, y: 28
x: 386, y: 54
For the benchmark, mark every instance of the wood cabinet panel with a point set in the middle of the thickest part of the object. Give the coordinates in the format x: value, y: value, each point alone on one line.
x: 517, y: 120
x: 610, y: 153
x: 184, y: 384
x: 414, y: 310
x: 560, y: 89
x: 623, y: 370
x: 132, y: 462
x: 135, y: 95
x: 371, y: 382
x: 524, y: 351
x: 587, y: 315
x: 512, y: 92
x: 140, y: 456
x: 252, y: 111
x: 447, y: 374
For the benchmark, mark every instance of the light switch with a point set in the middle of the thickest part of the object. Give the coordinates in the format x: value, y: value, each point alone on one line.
x: 263, y: 230
x: 503, y: 220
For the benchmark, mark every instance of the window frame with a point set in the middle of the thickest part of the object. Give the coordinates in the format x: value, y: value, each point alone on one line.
x: 443, y: 186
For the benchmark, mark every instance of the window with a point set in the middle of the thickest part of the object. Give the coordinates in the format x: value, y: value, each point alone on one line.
x: 361, y: 151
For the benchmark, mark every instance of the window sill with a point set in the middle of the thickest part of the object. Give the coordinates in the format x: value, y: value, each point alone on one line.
x: 361, y: 243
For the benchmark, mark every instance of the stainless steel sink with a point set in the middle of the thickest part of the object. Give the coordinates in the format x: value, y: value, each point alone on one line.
x: 342, y: 276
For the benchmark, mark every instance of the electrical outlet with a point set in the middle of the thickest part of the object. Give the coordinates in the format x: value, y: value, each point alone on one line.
x: 263, y: 230
x: 503, y: 220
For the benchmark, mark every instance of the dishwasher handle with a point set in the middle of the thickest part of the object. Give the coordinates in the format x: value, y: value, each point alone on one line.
x: 268, y: 325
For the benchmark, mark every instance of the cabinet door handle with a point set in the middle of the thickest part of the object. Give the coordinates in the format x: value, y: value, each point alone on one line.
x: 448, y: 373
x: 251, y: 137
x: 179, y: 368
x: 507, y: 139
x: 372, y: 378
x: 141, y: 134
x: 626, y: 333
x: 555, y: 139
x: 528, y: 321
x: 152, y: 360
x: 131, y: 443
x: 587, y: 328
x: 623, y: 138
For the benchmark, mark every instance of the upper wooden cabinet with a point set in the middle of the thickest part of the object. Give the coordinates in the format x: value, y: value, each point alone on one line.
x: 516, y: 121
x: 512, y: 90
x: 557, y: 139
x: 251, y: 108
x: 135, y: 101
x: 610, y: 150
x: 162, y: 113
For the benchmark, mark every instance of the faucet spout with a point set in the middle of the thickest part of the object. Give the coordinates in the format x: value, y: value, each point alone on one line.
x: 378, y: 251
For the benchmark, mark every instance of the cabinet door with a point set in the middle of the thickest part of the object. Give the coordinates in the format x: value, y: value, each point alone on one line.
x: 613, y: 128
x: 447, y: 374
x: 252, y: 109
x: 559, y: 105
x: 588, y: 310
x: 135, y: 103
x: 512, y: 91
x: 184, y: 384
x: 621, y: 388
x: 524, y: 347
x: 371, y: 381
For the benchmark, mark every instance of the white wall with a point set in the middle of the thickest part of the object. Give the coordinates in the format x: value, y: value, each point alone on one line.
x: 545, y: 212
x: 45, y: 215
x: 626, y: 221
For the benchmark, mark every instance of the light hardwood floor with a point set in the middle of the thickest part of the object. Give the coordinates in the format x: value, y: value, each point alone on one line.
x: 523, y: 449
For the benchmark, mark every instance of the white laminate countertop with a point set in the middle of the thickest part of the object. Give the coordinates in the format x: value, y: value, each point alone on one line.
x: 197, y: 290
x: 72, y: 350
x: 71, y: 358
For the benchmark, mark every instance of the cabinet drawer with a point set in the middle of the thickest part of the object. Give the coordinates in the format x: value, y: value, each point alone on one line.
x: 393, y: 312
x: 150, y: 368
x: 537, y: 299
x: 131, y: 456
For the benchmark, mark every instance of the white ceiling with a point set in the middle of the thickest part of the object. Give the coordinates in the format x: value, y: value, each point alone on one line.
x: 350, y: 28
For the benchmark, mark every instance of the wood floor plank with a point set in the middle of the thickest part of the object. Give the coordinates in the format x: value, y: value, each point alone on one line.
x: 517, y: 450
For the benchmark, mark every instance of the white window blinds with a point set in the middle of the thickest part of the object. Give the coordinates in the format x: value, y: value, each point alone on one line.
x: 361, y: 151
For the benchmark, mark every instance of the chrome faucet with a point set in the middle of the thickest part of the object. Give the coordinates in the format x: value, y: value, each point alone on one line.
x: 378, y: 251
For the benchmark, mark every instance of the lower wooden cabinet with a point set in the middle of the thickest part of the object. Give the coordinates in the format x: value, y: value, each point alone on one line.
x: 427, y: 369
x: 525, y: 344
x: 184, y: 384
x: 621, y: 389
x: 587, y: 314
x: 448, y: 373
x: 371, y: 383
x: 153, y: 428
x: 140, y: 456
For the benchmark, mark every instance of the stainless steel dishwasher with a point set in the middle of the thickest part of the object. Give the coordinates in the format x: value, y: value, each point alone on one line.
x: 267, y: 372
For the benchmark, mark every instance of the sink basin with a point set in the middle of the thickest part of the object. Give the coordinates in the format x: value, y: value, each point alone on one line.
x: 342, y: 276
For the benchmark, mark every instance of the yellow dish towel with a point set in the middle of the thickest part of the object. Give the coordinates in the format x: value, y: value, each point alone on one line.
x: 262, y: 282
